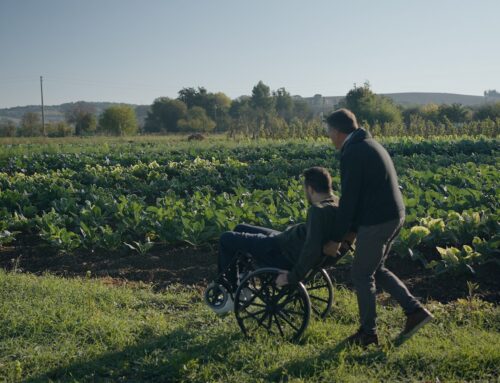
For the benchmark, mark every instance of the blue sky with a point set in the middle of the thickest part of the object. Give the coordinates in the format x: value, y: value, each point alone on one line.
x: 135, y: 51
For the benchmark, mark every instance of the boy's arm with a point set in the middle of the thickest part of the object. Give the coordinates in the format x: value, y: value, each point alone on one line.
x: 311, y: 252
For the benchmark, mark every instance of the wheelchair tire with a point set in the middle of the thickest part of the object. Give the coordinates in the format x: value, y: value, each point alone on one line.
x: 320, y: 289
x: 218, y: 298
x: 262, y: 307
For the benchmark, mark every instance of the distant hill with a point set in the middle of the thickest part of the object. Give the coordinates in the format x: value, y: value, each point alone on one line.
x: 412, y: 99
x: 54, y: 113
x: 318, y: 103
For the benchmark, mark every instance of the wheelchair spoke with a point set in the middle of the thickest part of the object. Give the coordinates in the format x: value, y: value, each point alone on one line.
x: 251, y: 302
x: 318, y: 298
x: 316, y: 287
x: 287, y: 321
x: 269, y: 323
x: 288, y: 311
x: 262, y: 319
x: 253, y: 315
x: 316, y: 311
x: 257, y: 292
x: 291, y: 311
x: 279, y: 325
x: 288, y: 298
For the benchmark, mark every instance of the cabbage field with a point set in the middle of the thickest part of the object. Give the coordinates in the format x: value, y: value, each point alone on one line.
x: 122, y: 196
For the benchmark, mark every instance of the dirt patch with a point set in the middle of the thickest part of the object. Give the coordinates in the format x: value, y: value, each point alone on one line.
x: 186, y: 265
x: 197, y: 266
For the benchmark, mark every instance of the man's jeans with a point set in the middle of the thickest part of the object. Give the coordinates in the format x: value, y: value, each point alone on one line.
x: 258, y: 241
x: 372, y: 247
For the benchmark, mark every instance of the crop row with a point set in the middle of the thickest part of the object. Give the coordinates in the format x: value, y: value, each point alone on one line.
x: 32, y: 158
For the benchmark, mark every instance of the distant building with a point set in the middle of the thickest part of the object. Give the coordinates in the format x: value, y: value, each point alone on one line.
x: 321, y: 105
x: 491, y: 95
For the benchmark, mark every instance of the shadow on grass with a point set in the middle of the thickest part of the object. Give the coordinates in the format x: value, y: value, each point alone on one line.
x: 163, y: 359
x: 337, y: 355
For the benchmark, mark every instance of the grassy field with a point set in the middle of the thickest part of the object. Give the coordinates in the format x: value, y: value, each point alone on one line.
x: 77, y: 330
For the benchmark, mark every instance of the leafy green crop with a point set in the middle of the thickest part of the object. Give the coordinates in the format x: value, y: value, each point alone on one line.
x: 143, y: 195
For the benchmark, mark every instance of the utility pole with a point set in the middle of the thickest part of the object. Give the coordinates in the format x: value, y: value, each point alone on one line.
x: 43, y: 113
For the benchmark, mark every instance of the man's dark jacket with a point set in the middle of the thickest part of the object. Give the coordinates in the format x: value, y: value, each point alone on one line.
x: 369, y: 184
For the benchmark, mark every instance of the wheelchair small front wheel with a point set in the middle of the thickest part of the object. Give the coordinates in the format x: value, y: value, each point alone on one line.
x: 262, y: 307
x: 218, y: 298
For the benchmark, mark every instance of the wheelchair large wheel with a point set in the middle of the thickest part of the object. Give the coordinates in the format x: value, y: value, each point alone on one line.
x: 320, y: 289
x: 262, y: 307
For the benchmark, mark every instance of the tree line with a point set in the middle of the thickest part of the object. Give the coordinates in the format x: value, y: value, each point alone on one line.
x: 265, y: 113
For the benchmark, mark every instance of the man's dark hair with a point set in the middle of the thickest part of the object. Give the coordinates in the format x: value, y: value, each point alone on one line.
x: 343, y: 120
x: 319, y: 179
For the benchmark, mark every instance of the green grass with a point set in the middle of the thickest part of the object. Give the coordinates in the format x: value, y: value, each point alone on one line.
x: 55, y: 329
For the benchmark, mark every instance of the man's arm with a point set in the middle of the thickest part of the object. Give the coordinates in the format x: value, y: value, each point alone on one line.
x: 351, y: 190
x: 312, y: 250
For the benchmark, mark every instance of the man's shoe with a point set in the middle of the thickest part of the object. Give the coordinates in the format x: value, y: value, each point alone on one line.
x: 362, y: 339
x: 415, y: 321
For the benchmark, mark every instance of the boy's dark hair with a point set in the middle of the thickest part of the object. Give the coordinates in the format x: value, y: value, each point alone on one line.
x: 343, y: 120
x: 319, y: 179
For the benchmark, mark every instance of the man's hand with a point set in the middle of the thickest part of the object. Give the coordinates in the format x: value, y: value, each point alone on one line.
x: 282, y: 279
x: 350, y: 237
x: 330, y: 248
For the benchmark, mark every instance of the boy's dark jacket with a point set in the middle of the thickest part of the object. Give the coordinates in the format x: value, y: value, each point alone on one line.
x: 303, y: 243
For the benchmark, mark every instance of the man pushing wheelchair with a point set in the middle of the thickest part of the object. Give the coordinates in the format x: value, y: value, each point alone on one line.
x: 371, y: 205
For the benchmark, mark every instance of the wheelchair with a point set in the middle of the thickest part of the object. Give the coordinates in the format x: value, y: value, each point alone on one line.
x: 262, y: 307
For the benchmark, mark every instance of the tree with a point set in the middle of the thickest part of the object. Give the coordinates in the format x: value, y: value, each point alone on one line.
x: 284, y: 103
x: 118, y: 120
x: 370, y: 107
x: 243, y: 116
x: 7, y: 128
x: 201, y: 98
x: 31, y: 125
x: 82, y: 116
x: 141, y: 112
x: 262, y: 104
x: 261, y: 98
x: 196, y: 121
x: 216, y: 105
x: 59, y: 129
x: 301, y: 110
x: 491, y: 111
x: 455, y: 113
x: 192, y: 97
x: 164, y: 115
x: 222, y: 101
x: 427, y: 112
x: 430, y: 112
x: 86, y: 124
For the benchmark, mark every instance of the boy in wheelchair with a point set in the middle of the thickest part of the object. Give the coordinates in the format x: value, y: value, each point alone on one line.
x: 296, y: 251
